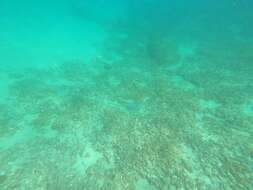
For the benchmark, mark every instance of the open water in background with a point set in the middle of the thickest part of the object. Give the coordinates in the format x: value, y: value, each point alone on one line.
x: 126, y: 95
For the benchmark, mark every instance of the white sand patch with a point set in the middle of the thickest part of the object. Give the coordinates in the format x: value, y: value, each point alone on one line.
x: 180, y: 82
x: 87, y: 159
x: 209, y: 104
x: 186, y: 50
x: 143, y: 184
x: 22, y: 136
x: 191, y: 158
x: 204, y: 133
x: 248, y: 109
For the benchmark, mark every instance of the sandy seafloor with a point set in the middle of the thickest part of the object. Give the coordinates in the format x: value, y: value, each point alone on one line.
x: 87, y: 104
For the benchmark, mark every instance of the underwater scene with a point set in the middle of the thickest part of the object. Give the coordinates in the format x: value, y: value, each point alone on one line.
x: 126, y: 95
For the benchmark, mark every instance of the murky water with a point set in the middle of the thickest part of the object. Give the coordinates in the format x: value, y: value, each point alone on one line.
x: 134, y: 95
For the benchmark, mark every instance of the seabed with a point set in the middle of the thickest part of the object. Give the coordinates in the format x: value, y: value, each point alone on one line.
x: 120, y: 110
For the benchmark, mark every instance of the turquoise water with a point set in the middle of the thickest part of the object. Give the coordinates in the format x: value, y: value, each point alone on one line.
x: 126, y: 95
